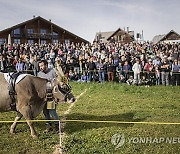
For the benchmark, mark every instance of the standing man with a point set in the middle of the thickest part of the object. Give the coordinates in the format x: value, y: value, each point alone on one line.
x: 100, y: 68
x: 165, y: 71
x: 91, y: 67
x: 137, y: 70
x: 110, y: 70
x: 50, y: 74
x: 35, y: 67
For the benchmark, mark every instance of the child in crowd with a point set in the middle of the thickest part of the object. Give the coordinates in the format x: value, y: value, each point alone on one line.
x: 84, y: 77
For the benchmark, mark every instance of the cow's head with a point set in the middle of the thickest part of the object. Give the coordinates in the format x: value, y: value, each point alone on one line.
x: 62, y: 89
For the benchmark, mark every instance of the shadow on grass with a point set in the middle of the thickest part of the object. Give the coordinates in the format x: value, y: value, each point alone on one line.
x: 78, y: 126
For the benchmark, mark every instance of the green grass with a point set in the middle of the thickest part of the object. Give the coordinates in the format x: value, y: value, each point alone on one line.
x: 22, y: 142
x: 112, y: 102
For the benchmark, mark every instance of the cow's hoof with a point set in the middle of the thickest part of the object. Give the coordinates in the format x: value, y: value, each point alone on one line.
x: 34, y: 136
x: 11, y: 132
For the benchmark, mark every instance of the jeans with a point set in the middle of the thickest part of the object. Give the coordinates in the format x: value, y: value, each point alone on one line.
x: 50, y: 112
x: 137, y: 78
x: 101, y: 76
x: 90, y: 76
x: 126, y: 76
x: 176, y: 79
x: 165, y: 78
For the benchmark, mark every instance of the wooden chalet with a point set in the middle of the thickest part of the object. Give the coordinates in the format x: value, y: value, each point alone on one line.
x: 38, y: 30
x: 121, y: 36
x: 172, y: 36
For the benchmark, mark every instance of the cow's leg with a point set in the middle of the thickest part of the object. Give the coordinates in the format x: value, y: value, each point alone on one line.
x: 27, y: 114
x: 33, y: 132
x: 13, y: 126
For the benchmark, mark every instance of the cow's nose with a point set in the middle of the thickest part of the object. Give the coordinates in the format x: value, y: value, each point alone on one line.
x: 72, y: 100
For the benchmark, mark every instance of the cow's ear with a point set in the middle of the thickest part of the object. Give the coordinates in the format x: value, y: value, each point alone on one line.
x: 54, y: 82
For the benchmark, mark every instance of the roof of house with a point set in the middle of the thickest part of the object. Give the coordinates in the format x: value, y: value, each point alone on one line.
x: 159, y: 38
x: 165, y: 36
x: 25, y: 22
x: 119, y: 29
x: 105, y: 35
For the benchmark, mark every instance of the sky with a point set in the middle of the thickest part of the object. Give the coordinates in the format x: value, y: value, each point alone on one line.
x: 86, y: 17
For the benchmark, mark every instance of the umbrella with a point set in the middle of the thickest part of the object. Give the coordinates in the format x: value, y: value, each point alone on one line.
x: 9, y: 39
x: 9, y: 42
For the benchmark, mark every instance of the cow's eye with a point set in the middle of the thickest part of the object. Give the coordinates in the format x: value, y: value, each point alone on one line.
x: 55, y: 89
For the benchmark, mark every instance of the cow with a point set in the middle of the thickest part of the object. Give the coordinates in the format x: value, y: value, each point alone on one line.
x: 30, y: 98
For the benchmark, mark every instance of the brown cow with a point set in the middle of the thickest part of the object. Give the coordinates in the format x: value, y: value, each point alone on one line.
x: 30, y: 97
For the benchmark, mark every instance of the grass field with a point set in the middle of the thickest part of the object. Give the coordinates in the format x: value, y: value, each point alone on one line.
x: 111, y: 102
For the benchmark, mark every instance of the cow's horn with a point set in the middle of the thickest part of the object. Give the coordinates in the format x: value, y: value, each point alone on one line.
x: 59, y: 69
x: 59, y: 72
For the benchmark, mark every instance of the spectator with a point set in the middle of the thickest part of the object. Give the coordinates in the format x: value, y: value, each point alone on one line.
x: 71, y: 75
x: 84, y: 77
x: 126, y: 70
x: 165, y: 69
x: 20, y: 66
x: 76, y: 65
x: 110, y: 70
x: 2, y: 63
x: 156, y: 61
x: 175, y: 73
x: 35, y: 66
x: 76, y: 76
x: 91, y: 67
x: 100, y: 68
x: 130, y: 81
x: 137, y: 70
x: 157, y: 74
x: 52, y: 57
x: 149, y: 68
x: 28, y: 66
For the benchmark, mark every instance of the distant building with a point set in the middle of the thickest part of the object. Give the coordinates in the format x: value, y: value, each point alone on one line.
x: 102, y: 36
x: 157, y: 38
x: 38, y: 30
x: 172, y: 36
x: 115, y: 36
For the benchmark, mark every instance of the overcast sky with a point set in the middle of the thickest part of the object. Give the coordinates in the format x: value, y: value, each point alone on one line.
x: 86, y: 17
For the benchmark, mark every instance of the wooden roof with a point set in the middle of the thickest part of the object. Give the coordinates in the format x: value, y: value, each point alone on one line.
x: 119, y: 29
x: 42, y: 19
x: 166, y: 36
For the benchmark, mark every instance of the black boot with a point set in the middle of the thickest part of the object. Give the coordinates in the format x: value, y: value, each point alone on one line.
x: 57, y: 128
x: 48, y: 128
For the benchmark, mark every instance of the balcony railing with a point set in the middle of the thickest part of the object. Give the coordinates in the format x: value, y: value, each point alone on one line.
x: 43, y: 36
x: 16, y: 35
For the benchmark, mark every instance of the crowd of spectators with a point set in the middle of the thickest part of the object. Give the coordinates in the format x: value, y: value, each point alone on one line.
x: 133, y: 63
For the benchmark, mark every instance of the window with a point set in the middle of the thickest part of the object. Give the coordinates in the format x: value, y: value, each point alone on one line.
x: 67, y: 42
x: 2, y: 40
x: 55, y: 34
x: 43, y: 41
x: 43, y: 31
x: 17, y: 41
x: 119, y: 38
x: 55, y: 41
x: 17, y: 31
x: 30, y: 31
x: 30, y: 41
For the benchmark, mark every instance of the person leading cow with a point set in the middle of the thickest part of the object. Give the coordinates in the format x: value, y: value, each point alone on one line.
x: 50, y: 106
